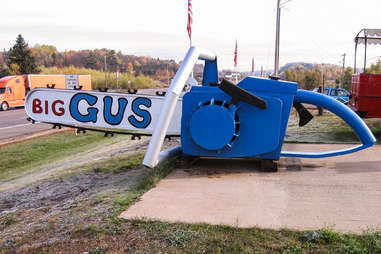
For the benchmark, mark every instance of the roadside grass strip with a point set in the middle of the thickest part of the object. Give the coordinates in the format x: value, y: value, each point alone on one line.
x: 22, y: 158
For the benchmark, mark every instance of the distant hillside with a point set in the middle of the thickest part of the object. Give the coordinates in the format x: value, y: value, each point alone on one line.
x: 296, y: 65
x: 330, y: 71
x: 309, y: 75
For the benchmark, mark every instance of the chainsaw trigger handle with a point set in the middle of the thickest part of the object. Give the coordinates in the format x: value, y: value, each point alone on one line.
x: 239, y: 94
x: 304, y: 115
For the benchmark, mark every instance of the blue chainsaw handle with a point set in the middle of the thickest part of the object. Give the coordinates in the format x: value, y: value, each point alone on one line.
x: 350, y: 117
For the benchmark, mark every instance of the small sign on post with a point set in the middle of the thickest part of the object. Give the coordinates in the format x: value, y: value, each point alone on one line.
x: 71, y: 81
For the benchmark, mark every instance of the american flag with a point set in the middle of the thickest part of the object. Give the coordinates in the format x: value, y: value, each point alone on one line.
x: 235, y: 54
x: 189, y: 26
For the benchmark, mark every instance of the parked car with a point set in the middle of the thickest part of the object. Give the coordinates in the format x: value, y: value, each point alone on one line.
x: 339, y: 94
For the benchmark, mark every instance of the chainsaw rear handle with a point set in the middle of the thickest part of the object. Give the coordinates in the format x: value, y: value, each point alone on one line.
x: 350, y: 117
x: 239, y: 94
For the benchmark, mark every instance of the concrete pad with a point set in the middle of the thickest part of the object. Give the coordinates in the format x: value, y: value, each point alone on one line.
x: 342, y: 193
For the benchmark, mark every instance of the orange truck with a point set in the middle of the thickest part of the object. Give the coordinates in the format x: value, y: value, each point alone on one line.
x: 13, y: 89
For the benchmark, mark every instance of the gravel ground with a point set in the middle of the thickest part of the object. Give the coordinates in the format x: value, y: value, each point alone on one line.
x: 49, y: 210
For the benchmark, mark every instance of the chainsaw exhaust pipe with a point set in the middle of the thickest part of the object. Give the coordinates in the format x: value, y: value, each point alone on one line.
x: 171, y: 98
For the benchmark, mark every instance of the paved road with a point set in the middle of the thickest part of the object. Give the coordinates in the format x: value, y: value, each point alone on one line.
x: 13, y: 125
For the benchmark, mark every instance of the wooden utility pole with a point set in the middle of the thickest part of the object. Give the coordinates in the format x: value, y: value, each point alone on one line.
x: 342, y: 73
x: 105, y: 71
x: 321, y: 90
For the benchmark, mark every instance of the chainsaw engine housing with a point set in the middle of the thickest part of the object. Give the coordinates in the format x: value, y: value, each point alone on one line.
x: 213, y: 126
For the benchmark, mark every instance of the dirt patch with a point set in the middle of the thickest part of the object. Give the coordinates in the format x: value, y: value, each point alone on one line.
x: 58, y: 191
x: 52, y: 210
x: 58, y: 208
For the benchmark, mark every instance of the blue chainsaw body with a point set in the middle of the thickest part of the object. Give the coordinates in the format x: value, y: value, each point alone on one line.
x: 214, y: 124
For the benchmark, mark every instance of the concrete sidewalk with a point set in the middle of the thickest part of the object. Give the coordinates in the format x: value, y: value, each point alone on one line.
x: 343, y: 193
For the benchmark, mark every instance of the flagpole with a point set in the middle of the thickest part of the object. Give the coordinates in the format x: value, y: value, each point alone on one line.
x: 235, y: 61
x: 252, y: 66
x: 189, y: 26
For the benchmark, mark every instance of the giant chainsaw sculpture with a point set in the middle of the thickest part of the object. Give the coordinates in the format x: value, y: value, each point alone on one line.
x: 247, y: 120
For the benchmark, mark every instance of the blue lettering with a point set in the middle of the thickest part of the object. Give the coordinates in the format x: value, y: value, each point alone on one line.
x: 140, y: 112
x: 92, y: 112
x: 108, y: 116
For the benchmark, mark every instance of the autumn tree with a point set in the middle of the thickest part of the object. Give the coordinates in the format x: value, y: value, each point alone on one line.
x: 45, y: 54
x: 375, y: 68
x: 347, y: 78
x: 131, y: 69
x: 307, y: 79
x: 4, y: 71
x: 20, y: 59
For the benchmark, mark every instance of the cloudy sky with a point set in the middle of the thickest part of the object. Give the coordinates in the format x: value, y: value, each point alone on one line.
x: 311, y: 30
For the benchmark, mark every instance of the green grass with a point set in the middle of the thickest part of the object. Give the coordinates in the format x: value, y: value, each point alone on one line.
x: 20, y: 158
x: 126, y: 199
x: 8, y: 220
x: 203, y: 238
x: 106, y: 233
x: 117, y: 163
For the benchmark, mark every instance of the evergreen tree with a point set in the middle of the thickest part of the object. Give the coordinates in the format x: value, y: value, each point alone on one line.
x: 4, y: 72
x: 112, y: 61
x: 91, y: 61
x: 20, y: 59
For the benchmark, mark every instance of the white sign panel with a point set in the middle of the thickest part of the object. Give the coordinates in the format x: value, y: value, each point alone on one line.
x: 98, y: 109
x: 71, y: 81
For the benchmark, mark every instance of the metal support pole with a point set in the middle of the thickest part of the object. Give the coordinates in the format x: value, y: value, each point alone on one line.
x: 343, y: 72
x: 366, y: 43
x: 117, y: 79
x: 190, y: 45
x: 276, y: 62
x: 354, y: 69
x: 105, y: 71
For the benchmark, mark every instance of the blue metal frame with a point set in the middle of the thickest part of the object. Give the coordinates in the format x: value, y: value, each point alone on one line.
x: 350, y: 117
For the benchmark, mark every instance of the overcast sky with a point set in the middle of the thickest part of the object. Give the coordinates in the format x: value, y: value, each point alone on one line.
x: 311, y: 30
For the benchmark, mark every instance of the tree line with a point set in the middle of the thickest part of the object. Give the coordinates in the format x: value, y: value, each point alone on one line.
x: 22, y: 59
x: 309, y: 76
